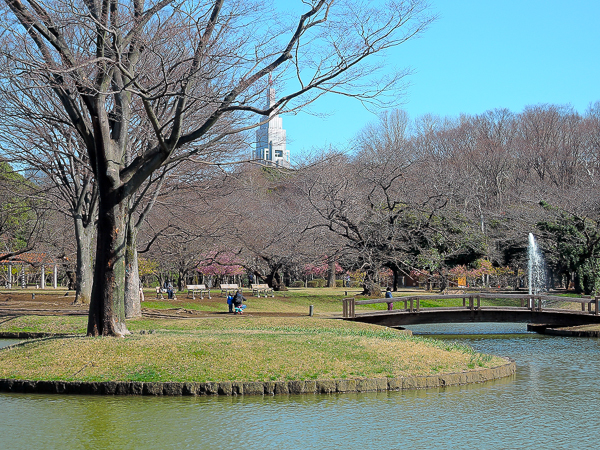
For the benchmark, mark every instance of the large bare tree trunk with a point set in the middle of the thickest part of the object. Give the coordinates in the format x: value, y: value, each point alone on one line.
x: 274, y: 280
x: 132, y: 275
x: 84, y: 275
x: 370, y: 287
x: 181, y: 279
x: 107, y: 308
x: 396, y: 281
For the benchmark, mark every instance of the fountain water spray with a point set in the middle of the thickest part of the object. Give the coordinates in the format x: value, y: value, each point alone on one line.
x: 537, y: 274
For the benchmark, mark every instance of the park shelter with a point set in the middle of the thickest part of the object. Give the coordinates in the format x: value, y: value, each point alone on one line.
x: 41, y: 261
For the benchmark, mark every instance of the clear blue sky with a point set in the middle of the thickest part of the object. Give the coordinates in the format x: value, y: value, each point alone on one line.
x: 479, y: 55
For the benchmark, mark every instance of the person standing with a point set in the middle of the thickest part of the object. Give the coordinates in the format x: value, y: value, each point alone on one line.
x: 230, y: 302
x: 388, y: 294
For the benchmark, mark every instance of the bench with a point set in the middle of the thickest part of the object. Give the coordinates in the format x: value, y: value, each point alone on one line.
x: 193, y: 288
x: 257, y: 289
x: 229, y: 288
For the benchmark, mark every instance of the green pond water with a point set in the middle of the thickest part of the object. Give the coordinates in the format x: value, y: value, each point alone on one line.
x: 550, y: 403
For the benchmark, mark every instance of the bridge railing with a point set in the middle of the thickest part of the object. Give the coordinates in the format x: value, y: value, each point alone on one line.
x: 412, y: 304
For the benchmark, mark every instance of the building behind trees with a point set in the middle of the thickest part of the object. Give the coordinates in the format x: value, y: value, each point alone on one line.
x: 270, y: 137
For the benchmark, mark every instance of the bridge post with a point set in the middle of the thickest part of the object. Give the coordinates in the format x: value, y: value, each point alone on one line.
x: 411, y: 305
x: 597, y: 302
x: 418, y: 305
x: 464, y: 301
x: 405, y: 304
x: 348, y: 308
x: 478, y: 302
x: 471, y: 302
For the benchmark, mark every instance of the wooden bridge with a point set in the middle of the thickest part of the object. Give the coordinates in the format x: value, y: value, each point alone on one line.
x: 538, y: 309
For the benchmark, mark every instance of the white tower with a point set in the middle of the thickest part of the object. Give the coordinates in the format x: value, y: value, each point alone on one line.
x: 270, y: 137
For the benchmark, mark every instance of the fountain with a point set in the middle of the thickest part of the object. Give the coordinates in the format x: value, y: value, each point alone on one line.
x: 537, y: 274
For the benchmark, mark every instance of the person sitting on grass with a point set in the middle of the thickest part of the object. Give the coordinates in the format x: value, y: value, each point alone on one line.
x: 238, y: 304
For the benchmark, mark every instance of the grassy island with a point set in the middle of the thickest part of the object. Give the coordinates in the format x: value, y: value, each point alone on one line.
x: 231, y: 348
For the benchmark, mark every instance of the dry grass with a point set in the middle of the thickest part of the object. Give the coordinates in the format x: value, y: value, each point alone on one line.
x: 239, y: 350
x: 44, y: 324
x: 223, y: 347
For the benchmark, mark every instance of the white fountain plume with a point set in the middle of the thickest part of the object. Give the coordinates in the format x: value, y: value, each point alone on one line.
x: 537, y: 274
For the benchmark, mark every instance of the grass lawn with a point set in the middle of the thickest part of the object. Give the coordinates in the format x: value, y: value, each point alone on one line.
x: 44, y: 324
x: 295, y: 300
x: 239, y: 348
x: 213, y: 346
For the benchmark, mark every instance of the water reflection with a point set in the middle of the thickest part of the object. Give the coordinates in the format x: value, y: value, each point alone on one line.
x: 470, y: 329
x: 546, y: 404
x: 7, y: 342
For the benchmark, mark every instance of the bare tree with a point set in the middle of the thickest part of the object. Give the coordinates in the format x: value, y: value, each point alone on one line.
x: 37, y: 136
x: 189, y: 223
x: 268, y: 223
x: 181, y: 69
x: 396, y: 202
x: 550, y: 143
x: 360, y: 199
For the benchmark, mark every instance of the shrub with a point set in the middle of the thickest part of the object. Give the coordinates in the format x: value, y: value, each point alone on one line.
x: 317, y: 282
x: 298, y: 284
x: 339, y: 283
x: 322, y: 282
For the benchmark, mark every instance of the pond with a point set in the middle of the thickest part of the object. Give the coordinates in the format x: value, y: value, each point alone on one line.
x: 549, y: 403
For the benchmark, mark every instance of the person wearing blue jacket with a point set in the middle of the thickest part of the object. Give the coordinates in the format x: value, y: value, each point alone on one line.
x: 388, y: 294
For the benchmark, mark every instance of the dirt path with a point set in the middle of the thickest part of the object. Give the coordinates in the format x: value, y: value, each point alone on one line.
x: 38, y: 302
x: 35, y: 302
